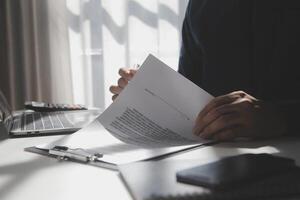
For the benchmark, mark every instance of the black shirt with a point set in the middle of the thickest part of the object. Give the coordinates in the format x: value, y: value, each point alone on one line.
x: 242, y: 45
x: 248, y: 45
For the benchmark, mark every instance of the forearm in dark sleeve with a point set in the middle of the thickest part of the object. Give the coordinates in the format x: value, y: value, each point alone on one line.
x: 185, y: 56
x: 289, y: 111
x: 190, y: 61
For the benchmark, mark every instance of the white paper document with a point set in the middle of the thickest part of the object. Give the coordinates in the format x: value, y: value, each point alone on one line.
x: 152, y: 117
x: 96, y: 139
x: 157, y: 108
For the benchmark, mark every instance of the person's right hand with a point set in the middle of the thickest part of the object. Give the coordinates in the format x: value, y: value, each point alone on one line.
x: 126, y: 75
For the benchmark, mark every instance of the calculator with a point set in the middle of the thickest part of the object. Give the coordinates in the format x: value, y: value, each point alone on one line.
x: 52, y: 107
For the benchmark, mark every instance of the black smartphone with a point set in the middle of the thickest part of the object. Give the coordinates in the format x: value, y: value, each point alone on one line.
x: 235, y: 170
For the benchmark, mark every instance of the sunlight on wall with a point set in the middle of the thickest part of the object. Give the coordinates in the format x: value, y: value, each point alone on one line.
x: 106, y: 35
x: 75, y: 58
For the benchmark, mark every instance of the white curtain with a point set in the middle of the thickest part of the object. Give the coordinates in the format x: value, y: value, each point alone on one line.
x: 38, y: 65
x: 71, y: 50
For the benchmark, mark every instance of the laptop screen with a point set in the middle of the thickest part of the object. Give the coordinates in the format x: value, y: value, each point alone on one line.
x: 5, y: 110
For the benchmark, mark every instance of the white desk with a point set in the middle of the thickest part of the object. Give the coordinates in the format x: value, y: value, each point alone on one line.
x: 26, y: 175
x: 286, y: 147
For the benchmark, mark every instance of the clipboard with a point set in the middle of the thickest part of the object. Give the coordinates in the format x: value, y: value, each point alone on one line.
x: 95, y: 146
x: 97, y: 163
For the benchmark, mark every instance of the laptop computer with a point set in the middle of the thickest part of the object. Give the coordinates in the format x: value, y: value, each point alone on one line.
x: 28, y: 123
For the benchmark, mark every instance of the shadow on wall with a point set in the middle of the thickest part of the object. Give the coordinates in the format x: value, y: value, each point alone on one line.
x: 134, y: 9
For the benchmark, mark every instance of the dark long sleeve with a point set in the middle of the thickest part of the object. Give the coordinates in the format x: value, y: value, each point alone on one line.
x: 290, y: 111
x: 191, y: 55
x: 248, y: 45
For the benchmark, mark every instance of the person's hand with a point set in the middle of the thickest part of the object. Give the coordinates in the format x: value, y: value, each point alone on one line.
x: 126, y: 75
x: 238, y: 114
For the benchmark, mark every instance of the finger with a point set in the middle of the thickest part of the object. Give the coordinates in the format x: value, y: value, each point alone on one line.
x: 223, y: 122
x: 240, y: 93
x: 126, y: 73
x: 215, y: 103
x: 115, y: 89
x: 212, y: 116
x: 245, y: 104
x: 114, y: 97
x: 133, y: 71
x: 122, y: 82
x: 228, y: 134
x: 218, y: 101
x: 241, y: 105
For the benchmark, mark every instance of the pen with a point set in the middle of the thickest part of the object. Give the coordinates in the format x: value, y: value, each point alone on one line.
x: 63, y: 152
x: 136, y: 66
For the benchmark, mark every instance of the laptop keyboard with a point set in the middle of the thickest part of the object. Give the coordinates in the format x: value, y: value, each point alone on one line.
x: 41, y: 121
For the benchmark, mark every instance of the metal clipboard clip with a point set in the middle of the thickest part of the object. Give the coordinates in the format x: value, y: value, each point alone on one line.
x: 78, y: 154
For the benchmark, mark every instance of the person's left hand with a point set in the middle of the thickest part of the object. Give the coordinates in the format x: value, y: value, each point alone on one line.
x: 126, y: 74
x: 238, y: 114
